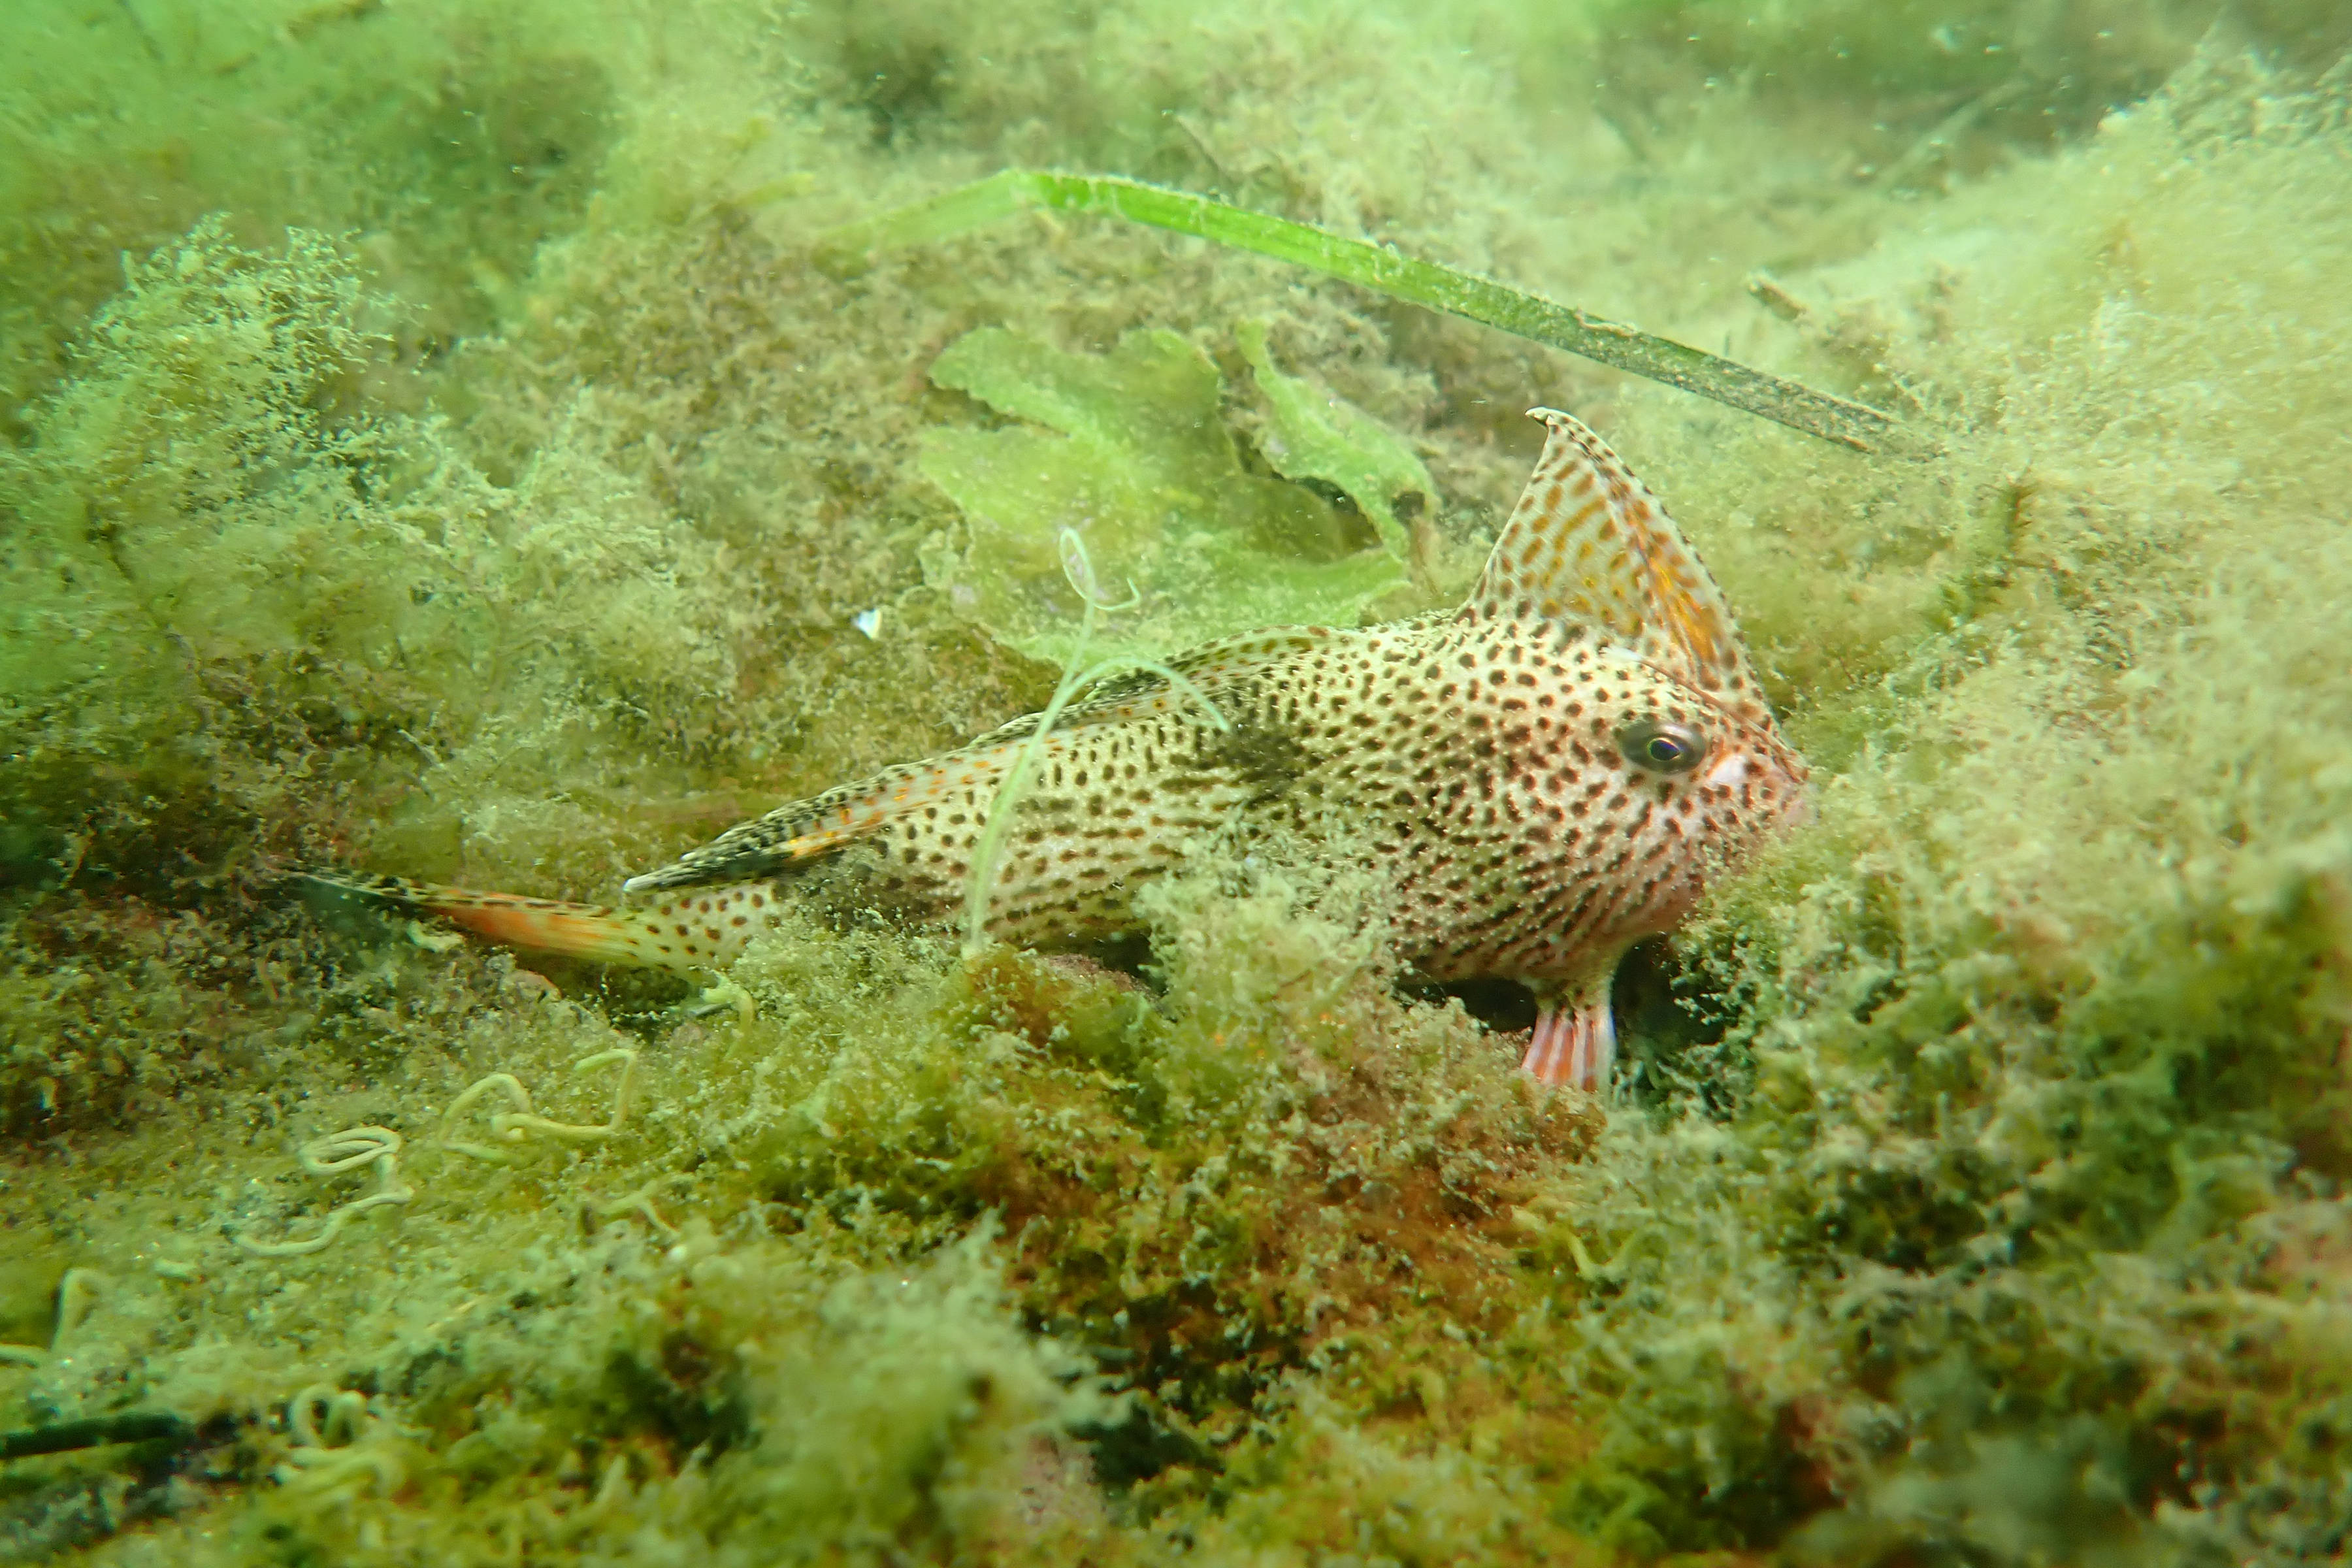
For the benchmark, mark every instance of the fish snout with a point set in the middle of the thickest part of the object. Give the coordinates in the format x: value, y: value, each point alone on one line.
x: 1792, y: 791
x: 1770, y: 778
x: 1797, y: 808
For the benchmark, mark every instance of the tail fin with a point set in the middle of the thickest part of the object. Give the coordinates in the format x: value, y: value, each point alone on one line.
x: 706, y: 928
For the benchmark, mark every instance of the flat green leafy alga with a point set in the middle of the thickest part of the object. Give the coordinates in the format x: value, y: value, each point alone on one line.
x: 1313, y: 433
x: 1134, y: 455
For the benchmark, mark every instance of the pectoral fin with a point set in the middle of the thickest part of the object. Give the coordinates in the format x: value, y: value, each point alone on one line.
x: 1575, y: 1039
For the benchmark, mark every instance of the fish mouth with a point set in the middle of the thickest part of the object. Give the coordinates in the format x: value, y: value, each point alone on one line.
x: 1775, y: 778
x: 1797, y: 807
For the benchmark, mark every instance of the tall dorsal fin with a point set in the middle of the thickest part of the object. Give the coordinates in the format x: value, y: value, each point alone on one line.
x: 1589, y: 543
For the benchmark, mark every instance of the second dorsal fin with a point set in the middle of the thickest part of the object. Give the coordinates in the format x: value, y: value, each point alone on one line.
x: 1589, y: 543
x: 966, y: 779
x: 805, y: 830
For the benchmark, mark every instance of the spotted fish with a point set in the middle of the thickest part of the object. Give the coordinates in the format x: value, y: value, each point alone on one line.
x: 1544, y: 777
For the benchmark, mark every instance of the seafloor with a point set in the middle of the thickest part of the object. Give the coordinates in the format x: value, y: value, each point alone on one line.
x: 431, y: 441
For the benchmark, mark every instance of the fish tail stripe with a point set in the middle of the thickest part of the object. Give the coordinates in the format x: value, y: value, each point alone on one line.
x: 574, y: 930
x: 707, y: 931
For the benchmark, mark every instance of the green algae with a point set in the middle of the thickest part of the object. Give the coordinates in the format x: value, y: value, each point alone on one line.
x: 231, y: 585
x: 1426, y: 283
x: 1982, y: 1202
x: 1315, y: 434
x: 1135, y: 459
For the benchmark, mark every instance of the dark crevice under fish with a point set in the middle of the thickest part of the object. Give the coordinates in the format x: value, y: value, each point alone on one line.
x: 1542, y: 777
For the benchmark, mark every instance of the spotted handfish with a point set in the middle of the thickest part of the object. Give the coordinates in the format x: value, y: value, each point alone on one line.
x: 1543, y: 777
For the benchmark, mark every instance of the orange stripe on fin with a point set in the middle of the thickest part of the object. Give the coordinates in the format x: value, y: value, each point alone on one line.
x: 708, y: 931
x: 575, y: 931
x: 1575, y: 1039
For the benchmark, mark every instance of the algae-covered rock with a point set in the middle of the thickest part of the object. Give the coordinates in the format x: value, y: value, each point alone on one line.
x: 226, y: 558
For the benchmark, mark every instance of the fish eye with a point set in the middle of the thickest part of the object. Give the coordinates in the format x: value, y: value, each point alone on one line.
x: 1662, y: 746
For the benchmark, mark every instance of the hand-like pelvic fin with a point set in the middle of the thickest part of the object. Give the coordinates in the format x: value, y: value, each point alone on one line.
x: 1574, y: 1041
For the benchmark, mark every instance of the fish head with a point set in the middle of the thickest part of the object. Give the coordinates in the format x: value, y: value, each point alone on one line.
x: 1673, y: 787
x: 1674, y: 767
